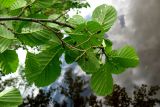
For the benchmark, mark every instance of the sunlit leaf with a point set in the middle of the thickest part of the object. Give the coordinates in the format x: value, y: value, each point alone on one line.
x: 89, y: 63
x: 35, y: 35
x: 88, y: 34
x: 6, y: 3
x: 108, y: 45
x: 102, y: 82
x: 18, y: 4
x: 76, y: 20
x: 43, y: 68
x: 125, y: 57
x: 4, y: 44
x: 10, y: 98
x: 106, y: 15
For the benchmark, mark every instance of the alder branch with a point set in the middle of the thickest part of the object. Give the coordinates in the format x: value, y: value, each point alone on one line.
x: 35, y: 20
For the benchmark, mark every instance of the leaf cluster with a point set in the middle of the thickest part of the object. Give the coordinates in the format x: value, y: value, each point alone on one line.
x: 39, y: 23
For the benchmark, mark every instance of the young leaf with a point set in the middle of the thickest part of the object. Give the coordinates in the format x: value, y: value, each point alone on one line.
x: 10, y: 98
x: 8, y: 61
x: 106, y: 15
x: 76, y: 20
x: 43, y: 68
x: 125, y: 57
x: 102, y: 82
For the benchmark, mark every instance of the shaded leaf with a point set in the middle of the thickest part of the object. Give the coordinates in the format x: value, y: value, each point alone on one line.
x: 8, y: 61
x: 71, y: 55
x: 114, y: 68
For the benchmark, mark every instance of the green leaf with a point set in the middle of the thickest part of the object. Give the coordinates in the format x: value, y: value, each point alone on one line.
x: 88, y: 34
x: 18, y: 4
x: 35, y: 36
x: 4, y: 44
x: 71, y: 55
x: 55, y: 16
x: 6, y: 3
x: 43, y: 68
x: 108, y: 45
x: 76, y: 20
x: 125, y: 57
x: 106, y: 15
x: 102, y: 82
x: 43, y: 3
x: 114, y: 67
x: 10, y: 98
x: 8, y: 61
x: 5, y: 33
x: 89, y: 63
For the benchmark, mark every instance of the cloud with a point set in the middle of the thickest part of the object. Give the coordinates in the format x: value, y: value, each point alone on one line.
x: 142, y: 30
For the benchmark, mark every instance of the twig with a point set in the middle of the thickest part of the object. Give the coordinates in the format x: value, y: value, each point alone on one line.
x: 35, y: 20
x: 61, y: 15
x: 74, y: 48
x: 81, y: 54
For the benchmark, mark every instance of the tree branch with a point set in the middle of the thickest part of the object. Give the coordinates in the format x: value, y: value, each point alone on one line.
x: 35, y: 20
